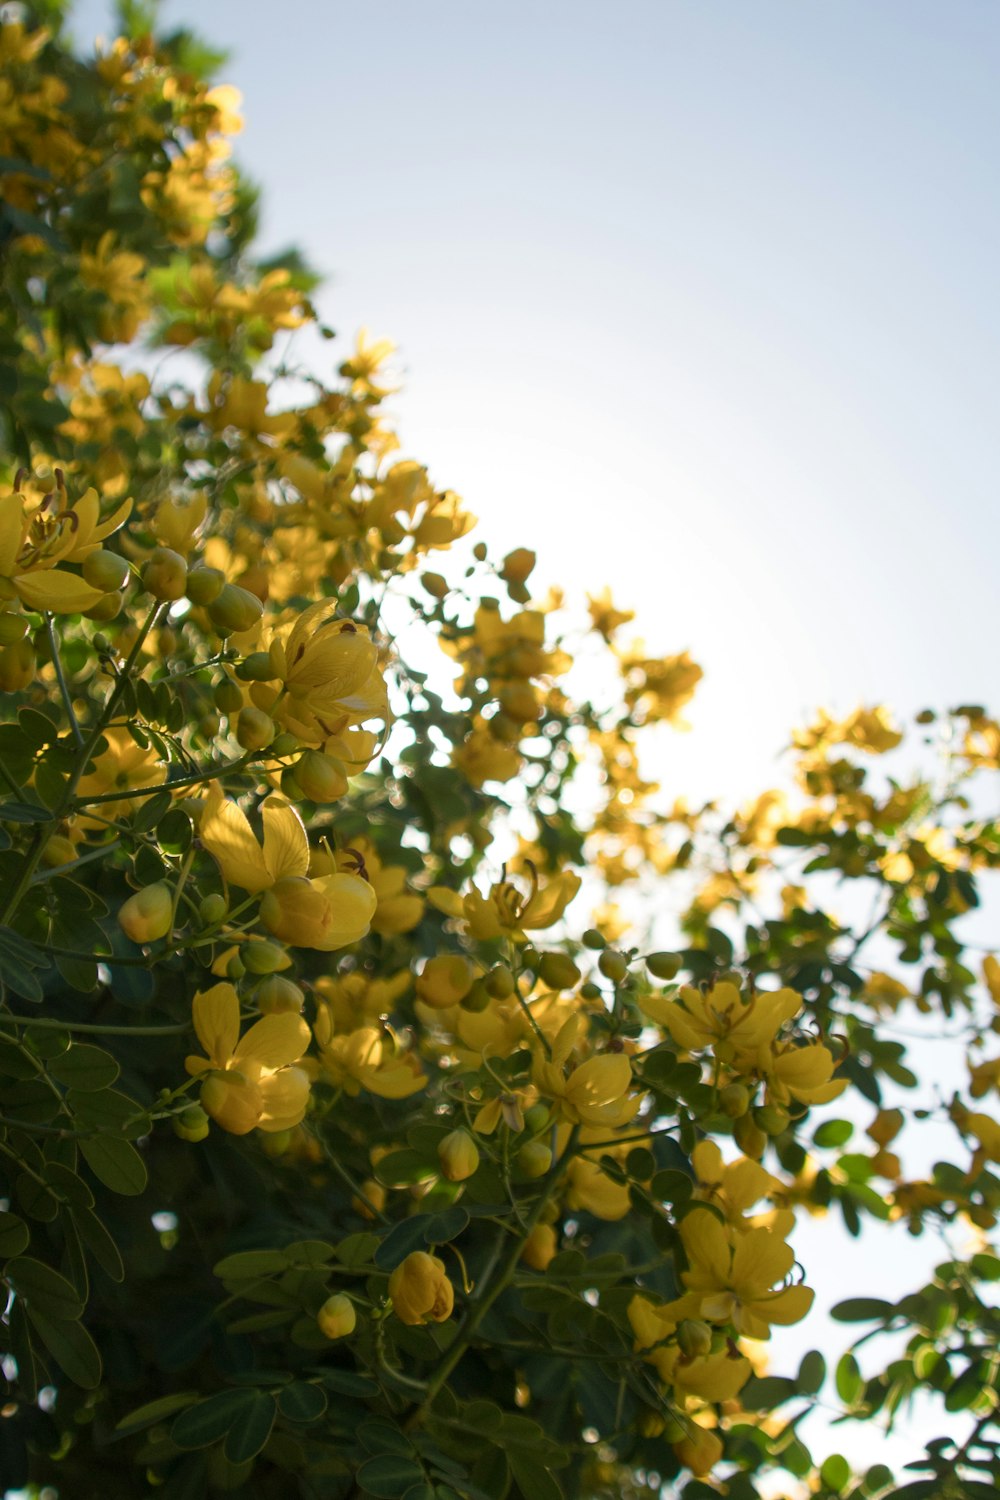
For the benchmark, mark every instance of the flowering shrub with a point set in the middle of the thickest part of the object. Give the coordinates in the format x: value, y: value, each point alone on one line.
x: 353, y: 1140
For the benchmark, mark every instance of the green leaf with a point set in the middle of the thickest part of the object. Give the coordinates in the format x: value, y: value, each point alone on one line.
x: 349, y: 1383
x: 862, y: 1309
x: 388, y: 1477
x: 446, y: 1226
x: 111, y: 1111
x: 250, y: 1265
x: 812, y: 1373
x: 42, y: 1288
x: 833, y: 1133
x: 210, y: 1419
x: 356, y: 1250
x: 848, y: 1379
x: 764, y: 1392
x: 403, y: 1168
x: 85, y: 1067
x: 302, y: 1402
x: 15, y: 1235
x: 100, y: 1243
x: 532, y: 1478
x: 401, y: 1240
x: 115, y: 1163
x: 384, y: 1437
x: 836, y: 1472
x: 154, y: 1412
x: 71, y: 1346
x: 251, y: 1428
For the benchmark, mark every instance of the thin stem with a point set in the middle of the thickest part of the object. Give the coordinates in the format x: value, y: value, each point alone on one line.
x: 94, y: 1027
x: 210, y: 773
x: 64, y: 692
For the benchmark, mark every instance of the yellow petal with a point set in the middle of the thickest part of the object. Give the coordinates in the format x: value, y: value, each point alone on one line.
x: 11, y: 532
x: 216, y: 1016
x: 227, y: 835
x: 50, y: 588
x: 286, y: 844
x: 275, y: 1041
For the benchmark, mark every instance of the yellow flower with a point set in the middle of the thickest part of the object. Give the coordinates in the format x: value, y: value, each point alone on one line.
x: 735, y: 1284
x: 712, y: 1377
x: 594, y: 1093
x: 420, y: 1290
x: 507, y: 911
x: 250, y: 1081
x: 365, y: 1059
x: 398, y: 910
x: 329, y: 676
x: 802, y: 1073
x: 733, y: 1187
x: 36, y: 539
x: 722, y: 1019
x: 330, y: 912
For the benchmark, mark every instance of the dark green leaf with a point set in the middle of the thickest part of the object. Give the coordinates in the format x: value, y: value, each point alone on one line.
x: 532, y: 1478
x: 85, y: 1067
x: 100, y: 1243
x: 115, y: 1163
x: 388, y: 1477
x: 15, y: 1235
x: 251, y: 1428
x: 250, y: 1265
x: 301, y: 1402
x: 861, y: 1309
x: 211, y: 1419
x: 42, y: 1288
x: 154, y: 1412
x: 71, y: 1346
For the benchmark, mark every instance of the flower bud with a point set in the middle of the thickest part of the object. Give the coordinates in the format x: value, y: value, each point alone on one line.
x: 104, y: 570
x: 446, y: 980
x: 321, y: 777
x: 700, y: 1450
x: 540, y: 1247
x: 420, y: 1290
x: 17, y: 666
x: 749, y: 1137
x: 204, y: 585
x: 228, y: 698
x: 256, y: 668
x: 261, y: 957
x: 275, y: 1143
x: 337, y: 1317
x: 613, y: 965
x: 254, y: 729
x: 558, y: 971
x: 212, y: 909
x: 663, y: 965
x: 165, y: 575
x: 191, y: 1124
x: 148, y: 914
x: 234, y: 610
x: 59, y: 850
x: 693, y: 1337
x: 771, y: 1118
x: 534, y: 1159
x: 458, y: 1155
x: 108, y: 607
x: 594, y: 939
x: 499, y: 983
x: 734, y: 1100
x: 537, y: 1117
x: 435, y: 585
x: 478, y: 999
x: 235, y: 968
x: 328, y: 913
x: 275, y: 993
x: 13, y: 628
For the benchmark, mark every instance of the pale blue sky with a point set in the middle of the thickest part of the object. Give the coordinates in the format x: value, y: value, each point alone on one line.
x: 700, y: 300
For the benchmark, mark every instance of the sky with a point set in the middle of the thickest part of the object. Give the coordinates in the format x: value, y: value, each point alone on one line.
x: 698, y: 300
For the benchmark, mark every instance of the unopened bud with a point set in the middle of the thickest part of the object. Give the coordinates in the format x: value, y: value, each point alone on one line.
x: 12, y: 628
x: 165, y: 575
x: 148, y: 914
x: 749, y: 1137
x: 262, y: 957
x: 734, y: 1100
x: 234, y: 610
x: 108, y: 607
x: 663, y: 965
x: 558, y: 971
x: 105, y: 570
x: 594, y: 939
x: 255, y: 668
x: 435, y: 585
x: 204, y: 585
x: 254, y: 729
x: 228, y: 698
x: 191, y: 1124
x: 458, y: 1155
x: 771, y: 1118
x: 499, y: 983
x: 212, y: 909
x: 613, y: 965
x: 534, y: 1159
x: 275, y: 993
x: 445, y: 981
x: 693, y: 1337
x: 337, y: 1317
x: 321, y: 777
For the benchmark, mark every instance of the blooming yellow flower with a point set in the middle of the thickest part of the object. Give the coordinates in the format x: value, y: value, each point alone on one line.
x: 733, y: 1187
x: 36, y: 539
x: 365, y: 1059
x: 329, y: 677
x: 507, y: 911
x: 330, y: 912
x: 722, y: 1019
x: 735, y: 1283
x: 594, y: 1093
x: 712, y: 1376
x: 803, y: 1074
x: 250, y: 1081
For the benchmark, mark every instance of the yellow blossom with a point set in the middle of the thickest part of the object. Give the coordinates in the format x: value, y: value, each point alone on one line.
x: 366, y: 1058
x: 420, y: 1290
x: 596, y: 1092
x: 250, y: 1081
x: 736, y: 1283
